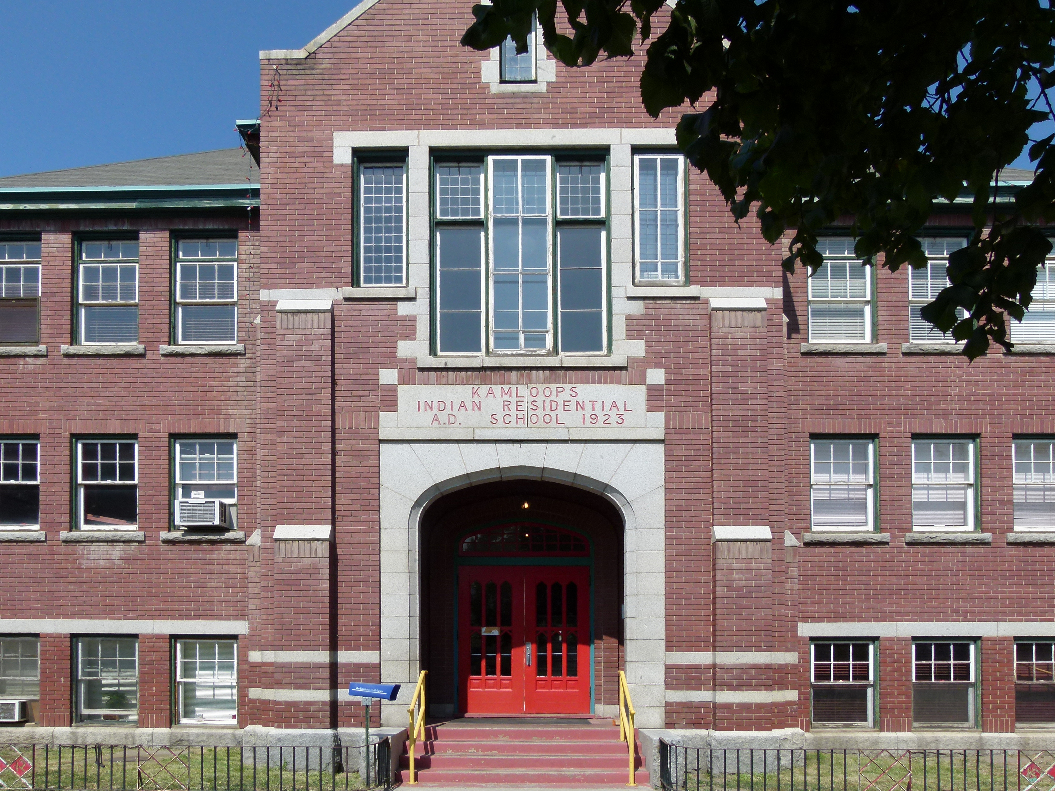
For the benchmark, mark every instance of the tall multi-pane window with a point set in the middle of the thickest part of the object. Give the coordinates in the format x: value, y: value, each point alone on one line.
x: 382, y: 223
x: 207, y: 291
x: 1034, y: 484
x: 108, y: 292
x: 1038, y: 325
x: 19, y: 484
x: 943, y: 688
x: 206, y: 482
x: 517, y: 66
x: 19, y: 292
x: 1035, y: 682
x: 840, y: 295
x: 19, y: 668
x: 107, y: 679
x: 207, y: 681
x: 531, y: 278
x: 842, y: 683
x: 926, y: 283
x: 943, y: 484
x: 842, y: 484
x: 659, y: 217
x: 107, y: 484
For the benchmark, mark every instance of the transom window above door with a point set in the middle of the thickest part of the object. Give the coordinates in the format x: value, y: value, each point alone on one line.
x: 521, y: 255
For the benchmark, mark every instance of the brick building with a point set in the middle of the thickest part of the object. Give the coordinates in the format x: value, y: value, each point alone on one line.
x: 482, y: 380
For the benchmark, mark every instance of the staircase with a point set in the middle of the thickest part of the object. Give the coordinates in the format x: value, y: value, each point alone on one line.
x: 523, y: 752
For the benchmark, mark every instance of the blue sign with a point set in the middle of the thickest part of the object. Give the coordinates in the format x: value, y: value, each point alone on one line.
x: 357, y: 689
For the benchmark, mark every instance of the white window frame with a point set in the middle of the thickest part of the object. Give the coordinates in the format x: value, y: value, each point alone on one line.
x: 639, y: 278
x: 81, y: 483
x: 1033, y: 480
x: 932, y: 278
x: 971, y: 684
x: 970, y: 486
x: 814, y: 682
x: 129, y: 715
x: 179, y: 481
x: 508, y: 49
x: 12, y: 651
x: 203, y: 682
x: 816, y: 483
x: 360, y: 203
x: 83, y: 304
x: 204, y: 302
x: 7, y: 479
x: 1038, y: 325
x: 8, y: 288
x: 864, y: 304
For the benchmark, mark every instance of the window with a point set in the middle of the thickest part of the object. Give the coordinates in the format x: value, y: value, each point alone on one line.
x: 19, y: 668
x: 19, y: 484
x: 1035, y: 683
x: 842, y: 485
x: 925, y: 284
x: 1038, y: 325
x: 540, y: 272
x: 943, y: 484
x: 108, y: 292
x: 107, y: 490
x: 382, y: 223
x: 207, y: 681
x: 514, y: 66
x: 107, y: 679
x: 1034, y: 484
x: 207, y: 291
x: 840, y: 295
x: 19, y: 292
x: 659, y: 217
x: 943, y: 688
x: 206, y: 474
x: 843, y: 683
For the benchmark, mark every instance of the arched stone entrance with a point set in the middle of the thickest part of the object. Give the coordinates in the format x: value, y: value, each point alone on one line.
x: 521, y: 600
x: 629, y: 476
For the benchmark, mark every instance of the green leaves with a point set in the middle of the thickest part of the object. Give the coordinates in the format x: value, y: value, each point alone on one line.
x: 807, y: 113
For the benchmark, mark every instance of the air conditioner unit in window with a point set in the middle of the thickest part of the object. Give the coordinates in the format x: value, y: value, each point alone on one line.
x: 13, y: 710
x: 202, y: 513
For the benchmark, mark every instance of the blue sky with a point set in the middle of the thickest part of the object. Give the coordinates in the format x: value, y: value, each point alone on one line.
x: 85, y: 83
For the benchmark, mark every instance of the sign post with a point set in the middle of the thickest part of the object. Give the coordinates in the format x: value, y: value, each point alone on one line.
x: 368, y: 693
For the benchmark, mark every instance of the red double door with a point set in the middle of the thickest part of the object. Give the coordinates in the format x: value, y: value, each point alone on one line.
x: 524, y: 639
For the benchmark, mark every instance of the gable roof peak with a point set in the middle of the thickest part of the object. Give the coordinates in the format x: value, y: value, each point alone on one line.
x: 296, y: 54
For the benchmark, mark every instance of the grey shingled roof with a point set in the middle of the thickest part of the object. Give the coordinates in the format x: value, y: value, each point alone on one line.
x: 226, y: 166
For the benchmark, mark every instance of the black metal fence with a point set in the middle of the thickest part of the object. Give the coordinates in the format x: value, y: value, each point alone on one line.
x: 700, y: 769
x: 119, y: 768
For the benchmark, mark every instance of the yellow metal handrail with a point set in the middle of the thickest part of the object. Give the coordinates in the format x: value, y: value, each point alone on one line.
x: 417, y: 725
x: 626, y: 723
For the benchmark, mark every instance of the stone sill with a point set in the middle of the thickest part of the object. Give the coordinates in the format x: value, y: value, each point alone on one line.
x: 34, y: 536
x: 949, y: 538
x: 105, y: 350
x: 381, y: 292
x: 203, y: 537
x: 843, y: 348
x: 1039, y: 537
x: 523, y: 361
x: 1033, y: 348
x: 23, y: 351
x: 931, y: 348
x: 846, y: 538
x: 664, y: 292
x: 225, y: 350
x: 103, y: 537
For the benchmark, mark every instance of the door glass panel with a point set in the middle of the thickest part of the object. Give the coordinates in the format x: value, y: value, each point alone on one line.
x: 541, y: 664
x: 507, y: 605
x: 556, y: 602
x: 507, y: 654
x: 573, y: 605
x: 540, y: 606
x: 490, y: 654
x: 491, y: 605
x: 557, y: 662
x: 573, y: 655
x: 475, y: 654
x: 475, y: 605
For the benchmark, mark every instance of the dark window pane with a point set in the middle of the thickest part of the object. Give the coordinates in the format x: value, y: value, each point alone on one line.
x: 491, y: 655
x: 844, y: 704
x: 110, y: 506
x: 475, y: 605
x: 459, y: 248
x: 572, y: 613
x: 580, y: 289
x: 573, y: 656
x: 490, y: 604
x: 506, y: 594
x: 475, y: 654
x: 460, y: 332
x: 582, y: 332
x: 1034, y: 703
x: 556, y: 657
x: 506, y: 665
x: 110, y: 325
x: 19, y: 505
x: 207, y: 323
x: 541, y: 664
x: 556, y: 600
x: 541, y: 611
x: 941, y: 703
x: 18, y: 321
x: 460, y: 289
